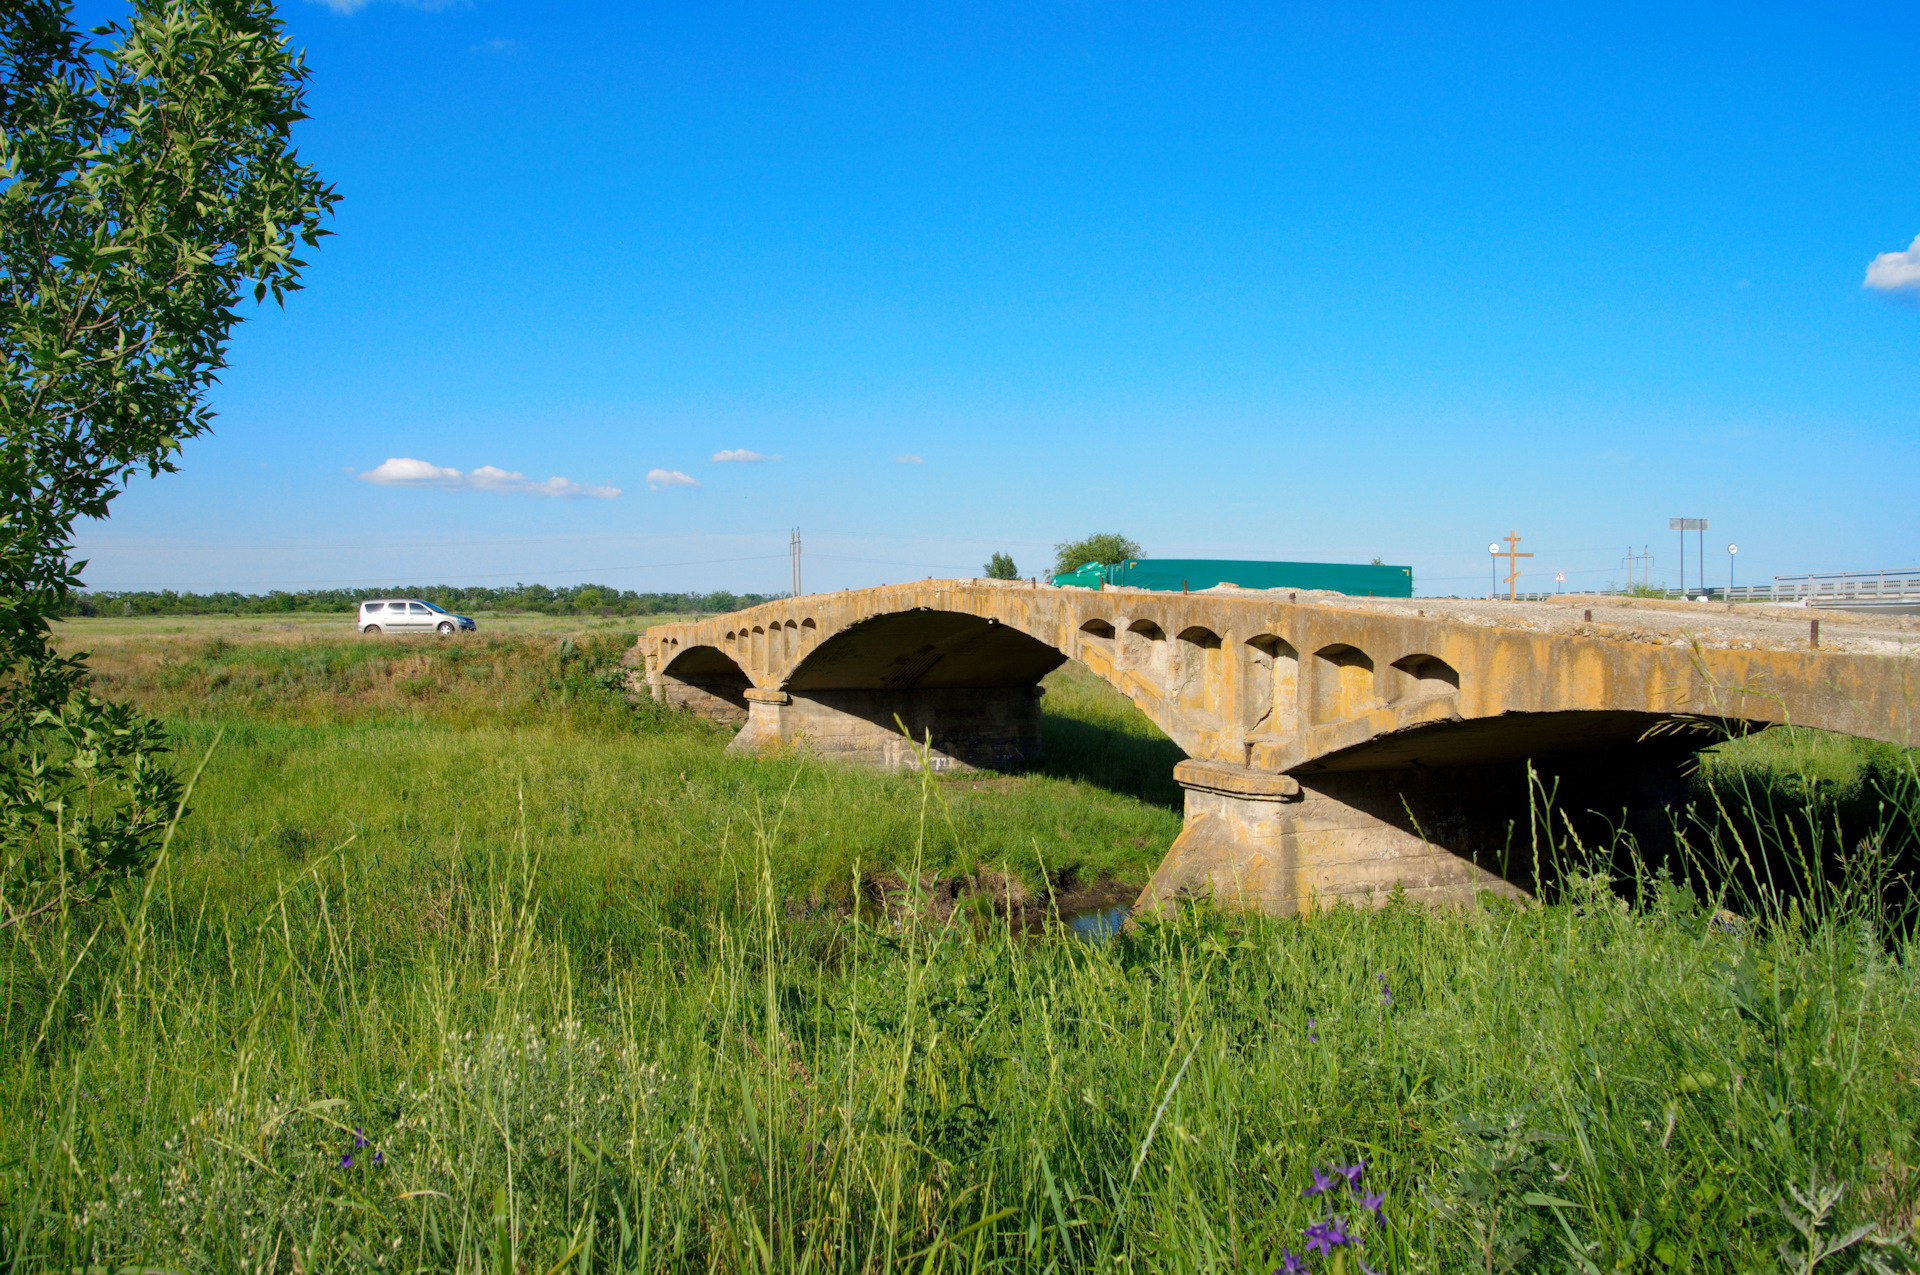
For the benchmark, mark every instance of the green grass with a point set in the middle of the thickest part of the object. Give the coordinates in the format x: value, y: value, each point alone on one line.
x: 591, y: 990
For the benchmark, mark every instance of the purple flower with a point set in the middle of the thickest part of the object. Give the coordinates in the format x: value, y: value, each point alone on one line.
x: 1351, y: 1172
x: 1310, y: 1036
x: 1372, y: 1201
x: 359, y: 1138
x: 379, y: 1158
x: 346, y: 1160
x: 1325, y: 1236
x: 1386, y: 992
x: 1321, y: 1183
x: 1290, y: 1264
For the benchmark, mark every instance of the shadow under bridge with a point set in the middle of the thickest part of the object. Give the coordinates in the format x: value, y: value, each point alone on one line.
x: 966, y: 688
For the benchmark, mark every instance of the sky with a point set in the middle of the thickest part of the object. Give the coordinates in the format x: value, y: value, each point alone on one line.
x: 626, y: 292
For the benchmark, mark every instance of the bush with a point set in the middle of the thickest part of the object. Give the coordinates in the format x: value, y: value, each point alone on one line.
x: 1106, y: 547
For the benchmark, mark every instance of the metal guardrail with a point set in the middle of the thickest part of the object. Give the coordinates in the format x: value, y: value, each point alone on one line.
x: 1835, y: 588
x: 1831, y: 587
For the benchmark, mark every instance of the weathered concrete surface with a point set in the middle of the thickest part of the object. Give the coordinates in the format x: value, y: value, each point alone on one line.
x: 1339, y: 745
x: 959, y: 728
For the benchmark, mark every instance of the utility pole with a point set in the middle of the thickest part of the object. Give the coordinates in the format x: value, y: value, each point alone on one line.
x: 793, y: 553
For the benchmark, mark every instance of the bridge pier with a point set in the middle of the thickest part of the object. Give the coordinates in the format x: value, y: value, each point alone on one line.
x: 970, y: 728
x: 1286, y: 844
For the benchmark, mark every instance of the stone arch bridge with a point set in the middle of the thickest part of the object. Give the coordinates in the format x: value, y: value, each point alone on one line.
x: 1337, y: 747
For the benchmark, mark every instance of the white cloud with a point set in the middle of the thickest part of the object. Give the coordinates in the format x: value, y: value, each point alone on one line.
x: 658, y: 478
x: 1895, y: 271
x: 402, y: 471
x: 741, y: 453
x: 908, y: 460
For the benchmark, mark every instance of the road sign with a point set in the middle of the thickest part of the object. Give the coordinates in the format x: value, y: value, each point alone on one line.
x: 1683, y: 526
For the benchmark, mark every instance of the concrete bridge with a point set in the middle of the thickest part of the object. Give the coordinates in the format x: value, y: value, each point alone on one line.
x: 1337, y: 746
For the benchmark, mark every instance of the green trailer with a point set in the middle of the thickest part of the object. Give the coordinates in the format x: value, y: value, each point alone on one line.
x: 1174, y: 575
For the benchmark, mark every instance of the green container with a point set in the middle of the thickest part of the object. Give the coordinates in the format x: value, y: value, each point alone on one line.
x: 1171, y: 575
x: 1091, y: 576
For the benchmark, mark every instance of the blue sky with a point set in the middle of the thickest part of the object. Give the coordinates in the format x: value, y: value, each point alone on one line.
x: 1312, y: 282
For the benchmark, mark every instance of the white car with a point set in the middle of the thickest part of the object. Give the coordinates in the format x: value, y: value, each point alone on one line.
x: 410, y: 615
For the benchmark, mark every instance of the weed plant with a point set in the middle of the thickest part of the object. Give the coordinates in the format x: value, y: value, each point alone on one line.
x: 555, y: 998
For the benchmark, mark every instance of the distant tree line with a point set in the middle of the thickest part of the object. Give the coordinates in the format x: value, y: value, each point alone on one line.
x: 579, y: 599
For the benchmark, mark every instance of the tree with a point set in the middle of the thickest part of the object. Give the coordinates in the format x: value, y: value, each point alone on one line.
x: 1000, y: 567
x: 1107, y: 548
x: 147, y: 181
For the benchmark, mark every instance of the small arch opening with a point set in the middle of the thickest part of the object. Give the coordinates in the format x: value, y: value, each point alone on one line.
x: 1144, y: 647
x: 1098, y: 629
x: 1272, y: 686
x: 1423, y: 677
x: 1343, y: 688
x: 1199, y: 677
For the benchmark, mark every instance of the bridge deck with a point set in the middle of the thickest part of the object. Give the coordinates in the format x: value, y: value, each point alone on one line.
x: 1714, y: 625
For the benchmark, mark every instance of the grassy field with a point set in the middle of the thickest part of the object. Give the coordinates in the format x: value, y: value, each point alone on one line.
x: 463, y: 962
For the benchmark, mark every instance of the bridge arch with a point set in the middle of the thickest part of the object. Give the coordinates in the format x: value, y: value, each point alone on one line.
x: 708, y: 681
x: 923, y: 648
x: 967, y: 683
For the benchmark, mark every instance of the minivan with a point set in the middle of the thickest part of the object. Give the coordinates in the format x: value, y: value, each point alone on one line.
x: 410, y: 615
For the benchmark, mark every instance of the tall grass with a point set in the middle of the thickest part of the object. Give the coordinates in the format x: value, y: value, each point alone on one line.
x: 573, y: 996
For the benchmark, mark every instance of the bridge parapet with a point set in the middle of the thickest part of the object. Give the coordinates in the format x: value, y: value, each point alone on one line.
x: 1266, y: 690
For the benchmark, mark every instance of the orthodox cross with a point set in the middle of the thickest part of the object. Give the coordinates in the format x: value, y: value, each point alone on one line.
x: 1513, y: 556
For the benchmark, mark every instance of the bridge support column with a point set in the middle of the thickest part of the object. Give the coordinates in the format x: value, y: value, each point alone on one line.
x: 970, y: 727
x: 1285, y: 844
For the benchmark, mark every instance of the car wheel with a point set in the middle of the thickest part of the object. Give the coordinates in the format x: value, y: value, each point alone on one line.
x: 371, y: 628
x: 446, y: 628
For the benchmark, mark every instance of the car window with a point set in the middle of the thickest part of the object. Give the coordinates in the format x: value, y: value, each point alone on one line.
x: 434, y: 608
x: 416, y: 608
x: 373, y: 606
